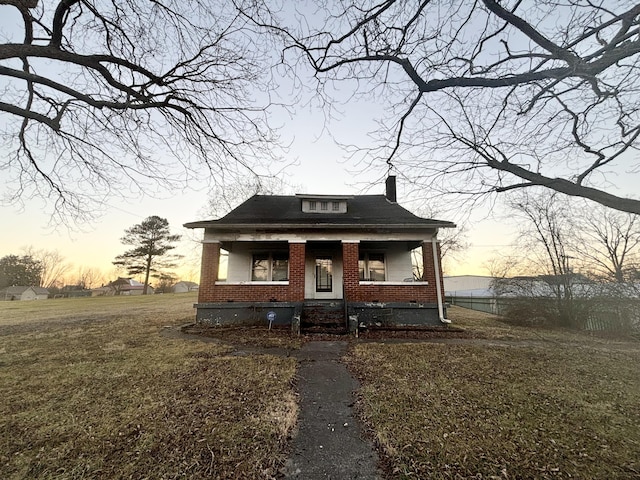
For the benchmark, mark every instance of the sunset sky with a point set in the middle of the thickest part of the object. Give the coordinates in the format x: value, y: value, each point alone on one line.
x: 316, y: 164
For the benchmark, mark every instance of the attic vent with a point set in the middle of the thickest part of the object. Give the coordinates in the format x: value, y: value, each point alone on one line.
x: 328, y: 206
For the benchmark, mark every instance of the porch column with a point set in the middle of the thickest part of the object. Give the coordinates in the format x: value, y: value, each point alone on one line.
x: 350, y: 272
x: 296, y: 271
x: 429, y: 270
x: 209, y: 270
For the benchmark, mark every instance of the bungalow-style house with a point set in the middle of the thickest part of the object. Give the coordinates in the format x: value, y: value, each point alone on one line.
x: 320, y: 261
x: 24, y: 293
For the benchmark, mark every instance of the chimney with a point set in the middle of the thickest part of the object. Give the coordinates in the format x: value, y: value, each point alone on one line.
x: 391, y: 188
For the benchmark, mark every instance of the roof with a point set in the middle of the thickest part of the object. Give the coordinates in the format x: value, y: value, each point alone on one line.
x: 362, y: 210
x: 19, y: 290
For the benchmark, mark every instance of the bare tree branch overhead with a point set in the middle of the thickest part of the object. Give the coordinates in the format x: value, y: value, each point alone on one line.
x: 103, y: 97
x: 486, y: 95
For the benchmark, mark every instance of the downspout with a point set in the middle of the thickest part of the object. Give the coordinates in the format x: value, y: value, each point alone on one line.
x: 436, y: 266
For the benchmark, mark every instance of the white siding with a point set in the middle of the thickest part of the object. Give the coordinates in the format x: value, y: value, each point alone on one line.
x: 398, y: 263
x: 239, y: 269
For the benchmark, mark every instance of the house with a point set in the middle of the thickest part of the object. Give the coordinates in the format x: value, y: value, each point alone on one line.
x: 303, y: 260
x: 74, y: 291
x: 103, y: 291
x: 184, y: 287
x: 129, y: 286
x: 24, y: 293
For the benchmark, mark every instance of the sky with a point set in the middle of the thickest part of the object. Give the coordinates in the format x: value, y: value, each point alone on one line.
x: 318, y: 165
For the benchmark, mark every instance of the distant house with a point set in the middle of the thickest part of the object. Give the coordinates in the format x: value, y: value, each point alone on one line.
x: 24, y: 293
x: 310, y: 258
x: 129, y: 286
x: 184, y: 287
x: 104, y: 291
x: 74, y: 291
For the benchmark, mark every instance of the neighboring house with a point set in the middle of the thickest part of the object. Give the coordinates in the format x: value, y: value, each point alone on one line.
x: 306, y: 258
x: 104, y: 291
x: 74, y: 291
x: 129, y: 286
x: 24, y: 293
x: 184, y: 287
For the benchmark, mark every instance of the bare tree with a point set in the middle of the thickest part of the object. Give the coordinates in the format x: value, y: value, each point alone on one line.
x: 118, y: 97
x: 547, y: 242
x: 486, y: 96
x: 54, y: 266
x: 608, y: 243
x: 89, y: 277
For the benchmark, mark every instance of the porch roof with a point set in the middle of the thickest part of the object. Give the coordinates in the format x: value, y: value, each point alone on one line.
x: 269, y: 211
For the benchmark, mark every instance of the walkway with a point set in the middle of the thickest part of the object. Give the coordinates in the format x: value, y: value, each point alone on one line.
x: 328, y: 443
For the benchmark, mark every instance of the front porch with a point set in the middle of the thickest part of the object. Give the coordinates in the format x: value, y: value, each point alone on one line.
x: 277, y: 282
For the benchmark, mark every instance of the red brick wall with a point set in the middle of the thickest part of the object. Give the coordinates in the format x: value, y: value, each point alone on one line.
x: 250, y: 293
x: 350, y: 273
x: 210, y: 292
x: 296, y: 272
x: 294, y: 292
x: 397, y: 293
x: 208, y: 271
x: 429, y: 271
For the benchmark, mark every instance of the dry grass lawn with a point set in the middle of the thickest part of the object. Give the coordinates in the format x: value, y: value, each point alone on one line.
x: 551, y: 405
x: 90, y: 389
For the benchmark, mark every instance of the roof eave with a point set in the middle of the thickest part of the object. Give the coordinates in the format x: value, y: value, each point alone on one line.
x: 315, y: 226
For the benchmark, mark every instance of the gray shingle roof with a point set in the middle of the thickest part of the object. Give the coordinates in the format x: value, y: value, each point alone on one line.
x: 287, y: 210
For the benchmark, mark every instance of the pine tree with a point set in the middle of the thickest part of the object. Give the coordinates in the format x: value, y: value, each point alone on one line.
x: 151, y: 241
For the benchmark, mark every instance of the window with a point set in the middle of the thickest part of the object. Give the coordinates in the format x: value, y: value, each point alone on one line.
x: 312, y: 205
x: 371, y: 266
x: 324, y: 205
x: 335, y: 206
x: 270, y: 267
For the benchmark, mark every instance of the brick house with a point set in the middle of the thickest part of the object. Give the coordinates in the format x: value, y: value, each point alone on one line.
x: 321, y: 261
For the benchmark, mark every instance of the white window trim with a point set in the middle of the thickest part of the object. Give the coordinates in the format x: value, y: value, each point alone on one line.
x: 270, y: 272
x: 367, y: 273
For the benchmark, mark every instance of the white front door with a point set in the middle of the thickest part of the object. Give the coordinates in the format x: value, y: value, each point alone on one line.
x: 324, y: 276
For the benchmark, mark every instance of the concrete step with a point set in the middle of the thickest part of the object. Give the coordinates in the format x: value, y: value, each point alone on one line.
x: 323, y: 316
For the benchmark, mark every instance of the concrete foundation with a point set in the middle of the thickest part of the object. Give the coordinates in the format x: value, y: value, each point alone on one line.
x: 381, y: 314
x: 247, y: 313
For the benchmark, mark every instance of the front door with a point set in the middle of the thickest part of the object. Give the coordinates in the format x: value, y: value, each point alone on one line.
x: 324, y: 274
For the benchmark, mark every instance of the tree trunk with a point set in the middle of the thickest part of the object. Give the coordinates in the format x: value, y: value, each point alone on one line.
x: 146, y: 276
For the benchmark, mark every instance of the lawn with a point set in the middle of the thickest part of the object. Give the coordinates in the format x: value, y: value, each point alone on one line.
x: 536, y: 404
x: 95, y: 388
x: 91, y: 389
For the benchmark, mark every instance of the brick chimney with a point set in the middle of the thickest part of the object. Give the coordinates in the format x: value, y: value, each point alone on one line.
x: 391, y: 189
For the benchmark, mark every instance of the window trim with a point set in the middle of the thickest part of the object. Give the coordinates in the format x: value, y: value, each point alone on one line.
x: 270, y: 265
x: 364, y: 274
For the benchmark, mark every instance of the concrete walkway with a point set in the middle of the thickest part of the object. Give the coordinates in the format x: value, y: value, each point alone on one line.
x: 328, y: 443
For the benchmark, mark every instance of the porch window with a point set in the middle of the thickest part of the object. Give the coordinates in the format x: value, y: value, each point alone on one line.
x: 371, y: 266
x: 270, y: 267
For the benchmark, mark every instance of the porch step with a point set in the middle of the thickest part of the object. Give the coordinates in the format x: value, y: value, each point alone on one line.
x: 320, y: 316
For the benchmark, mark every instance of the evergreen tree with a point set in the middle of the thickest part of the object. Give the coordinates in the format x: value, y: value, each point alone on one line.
x: 151, y: 241
x: 16, y: 270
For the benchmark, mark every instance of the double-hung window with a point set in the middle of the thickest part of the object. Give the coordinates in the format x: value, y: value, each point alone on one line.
x: 371, y: 266
x: 270, y: 267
